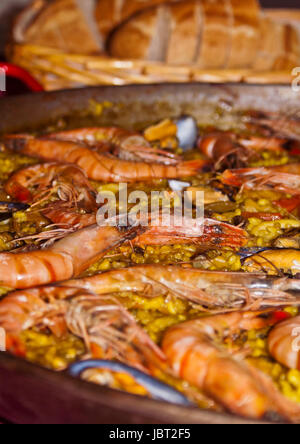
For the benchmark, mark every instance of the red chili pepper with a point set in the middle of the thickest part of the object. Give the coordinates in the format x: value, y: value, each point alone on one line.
x: 20, y: 193
x: 295, y: 151
x: 23, y: 75
x: 23, y: 196
x: 289, y: 204
x: 279, y: 316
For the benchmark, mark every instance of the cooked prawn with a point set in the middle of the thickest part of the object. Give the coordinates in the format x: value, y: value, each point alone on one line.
x: 263, y: 178
x: 223, y: 148
x: 38, y: 183
x: 76, y: 205
x: 101, y: 166
x: 283, y: 343
x: 278, y: 124
x: 276, y: 144
x: 206, y: 232
x: 232, y: 150
x: 212, y: 291
x: 69, y: 217
x: 209, y: 291
x: 109, y: 331
x: 64, y: 260
x: 104, y: 322
x: 126, y: 144
x: 43, y: 306
x: 100, y: 321
x: 209, y: 232
x: 193, y: 350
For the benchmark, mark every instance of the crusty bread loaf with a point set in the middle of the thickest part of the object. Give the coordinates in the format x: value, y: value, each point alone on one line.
x: 216, y: 34
x: 186, y: 23
x: 290, y: 56
x: 136, y: 39
x: 62, y: 24
x: 212, y: 33
x: 169, y: 32
x: 110, y: 13
x: 271, y: 44
x: 245, y: 33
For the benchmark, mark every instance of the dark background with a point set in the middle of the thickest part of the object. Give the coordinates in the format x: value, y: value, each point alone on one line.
x: 280, y: 3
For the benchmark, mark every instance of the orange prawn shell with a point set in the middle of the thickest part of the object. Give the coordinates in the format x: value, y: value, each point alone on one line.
x: 284, y: 343
x: 195, y: 357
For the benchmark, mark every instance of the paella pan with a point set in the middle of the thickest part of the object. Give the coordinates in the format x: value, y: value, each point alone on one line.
x: 201, y: 314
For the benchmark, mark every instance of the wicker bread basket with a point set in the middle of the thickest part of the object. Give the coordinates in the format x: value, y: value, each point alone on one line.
x: 56, y: 69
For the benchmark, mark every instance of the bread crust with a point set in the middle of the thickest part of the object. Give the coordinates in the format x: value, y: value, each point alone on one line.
x: 175, y: 26
x: 186, y: 32
x: 213, y: 34
x: 111, y: 13
x: 133, y: 39
x: 290, y: 56
x: 210, y: 34
x: 216, y: 34
x: 245, y: 33
x: 54, y: 26
x: 271, y: 44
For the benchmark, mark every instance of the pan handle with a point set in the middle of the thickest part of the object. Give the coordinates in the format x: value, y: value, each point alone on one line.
x: 22, y: 75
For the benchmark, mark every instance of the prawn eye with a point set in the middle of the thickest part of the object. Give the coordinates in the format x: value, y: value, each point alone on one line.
x: 133, y: 233
x: 15, y: 144
x: 266, y: 315
x: 218, y: 229
x: 289, y: 145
